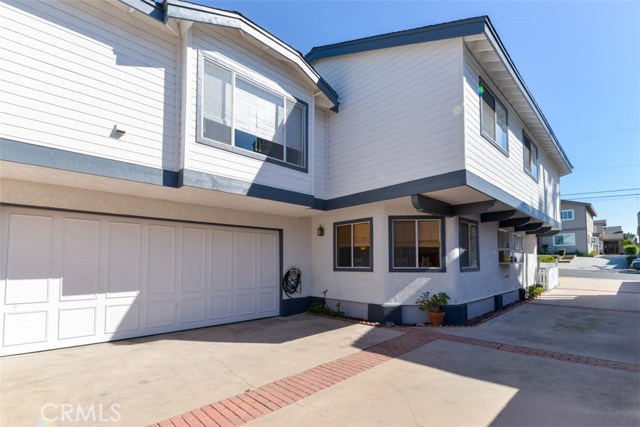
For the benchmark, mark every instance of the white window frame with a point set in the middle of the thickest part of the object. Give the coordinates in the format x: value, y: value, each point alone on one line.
x: 262, y: 84
x: 563, y: 243
x: 570, y: 217
x: 530, y: 156
x: 482, y: 90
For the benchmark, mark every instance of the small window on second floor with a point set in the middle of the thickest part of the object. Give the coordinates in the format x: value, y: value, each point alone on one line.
x: 566, y: 214
x: 530, y: 156
x: 493, y: 118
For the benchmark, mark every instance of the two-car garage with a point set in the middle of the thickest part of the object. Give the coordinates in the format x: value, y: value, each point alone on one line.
x: 71, y: 278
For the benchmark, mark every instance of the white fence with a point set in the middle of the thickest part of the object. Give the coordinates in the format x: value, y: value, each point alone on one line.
x: 548, y: 275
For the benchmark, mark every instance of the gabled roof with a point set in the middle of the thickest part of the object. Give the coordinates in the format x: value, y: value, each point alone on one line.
x: 187, y: 11
x: 483, y: 42
x: 588, y: 206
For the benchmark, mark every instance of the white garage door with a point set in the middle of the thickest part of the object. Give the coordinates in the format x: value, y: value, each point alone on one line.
x: 69, y: 278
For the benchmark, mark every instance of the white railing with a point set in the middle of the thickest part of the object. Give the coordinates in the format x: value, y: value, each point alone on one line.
x: 548, y: 275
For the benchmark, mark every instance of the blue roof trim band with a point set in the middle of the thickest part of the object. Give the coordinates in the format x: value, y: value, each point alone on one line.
x: 148, y: 7
x: 429, y: 33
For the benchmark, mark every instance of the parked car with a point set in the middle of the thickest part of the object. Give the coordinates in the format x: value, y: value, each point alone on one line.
x: 636, y: 263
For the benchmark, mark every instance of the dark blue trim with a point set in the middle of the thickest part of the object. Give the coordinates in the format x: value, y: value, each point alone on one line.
x: 37, y: 155
x: 497, y: 193
x: 335, y: 241
x: 443, y: 247
x: 148, y: 7
x: 424, y: 185
x: 447, y: 30
x: 208, y: 181
x: 31, y: 154
x: 383, y: 314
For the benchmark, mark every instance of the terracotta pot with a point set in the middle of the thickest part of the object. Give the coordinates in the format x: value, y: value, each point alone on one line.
x: 436, y: 319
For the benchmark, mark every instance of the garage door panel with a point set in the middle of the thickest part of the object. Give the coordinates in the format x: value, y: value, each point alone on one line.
x: 160, y: 313
x: 245, y: 304
x: 26, y: 291
x: 25, y: 328
x: 193, y: 260
x: 77, y: 322
x: 268, y: 261
x: 246, y: 260
x: 221, y: 306
x: 30, y: 239
x: 268, y: 301
x: 162, y: 256
x: 221, y: 260
x: 80, y: 259
x: 121, y: 318
x: 124, y: 259
x: 192, y: 310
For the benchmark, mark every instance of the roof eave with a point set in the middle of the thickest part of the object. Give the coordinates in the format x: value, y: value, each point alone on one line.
x: 182, y: 10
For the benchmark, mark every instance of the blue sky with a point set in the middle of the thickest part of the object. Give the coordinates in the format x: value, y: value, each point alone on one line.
x: 580, y: 60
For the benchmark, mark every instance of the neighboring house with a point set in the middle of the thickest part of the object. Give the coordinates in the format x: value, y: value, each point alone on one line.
x: 612, y: 238
x: 164, y: 165
x: 577, y: 233
x: 598, y: 232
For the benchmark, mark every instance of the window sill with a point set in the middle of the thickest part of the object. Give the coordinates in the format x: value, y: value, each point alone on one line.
x: 362, y: 270
x: 418, y: 270
x: 498, y: 146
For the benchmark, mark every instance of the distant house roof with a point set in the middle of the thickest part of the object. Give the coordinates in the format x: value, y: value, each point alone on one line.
x: 187, y: 11
x: 586, y: 205
x: 477, y: 32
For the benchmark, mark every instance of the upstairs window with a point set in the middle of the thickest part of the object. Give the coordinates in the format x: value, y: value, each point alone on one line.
x: 493, y: 118
x: 353, y: 244
x: 530, y: 156
x: 566, y: 214
x: 238, y: 114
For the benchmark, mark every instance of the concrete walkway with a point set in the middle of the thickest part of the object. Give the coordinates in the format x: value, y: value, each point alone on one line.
x: 599, y: 263
x: 570, y: 358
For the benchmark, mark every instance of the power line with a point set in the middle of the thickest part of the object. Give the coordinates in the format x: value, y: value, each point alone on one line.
x: 604, y: 191
x: 601, y: 134
x: 619, y: 196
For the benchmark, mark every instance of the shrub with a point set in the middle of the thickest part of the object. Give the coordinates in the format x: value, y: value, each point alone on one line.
x: 562, y: 252
x: 432, y: 304
x: 590, y: 254
x: 546, y: 258
x: 318, y: 309
x: 534, y: 291
x: 578, y: 253
x: 631, y: 250
x: 630, y: 258
x: 545, y: 249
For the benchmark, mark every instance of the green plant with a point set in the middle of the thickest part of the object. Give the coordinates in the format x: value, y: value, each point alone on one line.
x: 562, y: 252
x: 630, y: 249
x: 432, y: 304
x: 318, y: 309
x: 630, y: 259
x: 546, y: 258
x: 579, y: 253
x: 590, y: 254
x: 545, y: 249
x: 534, y: 291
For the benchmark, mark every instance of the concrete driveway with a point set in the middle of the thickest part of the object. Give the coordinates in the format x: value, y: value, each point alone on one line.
x: 570, y: 358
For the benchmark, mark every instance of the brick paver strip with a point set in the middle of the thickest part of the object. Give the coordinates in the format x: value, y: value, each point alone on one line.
x: 240, y: 409
x: 585, y: 308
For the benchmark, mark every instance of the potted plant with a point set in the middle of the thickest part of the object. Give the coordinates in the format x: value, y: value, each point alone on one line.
x: 433, y: 306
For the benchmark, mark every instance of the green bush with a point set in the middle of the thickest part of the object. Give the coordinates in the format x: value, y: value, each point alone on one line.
x: 318, y: 309
x: 630, y: 258
x: 562, y: 252
x: 534, y: 291
x: 590, y: 254
x: 546, y: 258
x: 578, y: 253
x: 630, y: 250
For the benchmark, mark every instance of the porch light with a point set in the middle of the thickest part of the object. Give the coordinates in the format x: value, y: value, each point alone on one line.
x: 320, y: 231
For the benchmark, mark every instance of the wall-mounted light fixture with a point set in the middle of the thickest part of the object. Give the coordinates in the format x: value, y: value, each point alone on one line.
x: 116, y: 132
x: 320, y: 230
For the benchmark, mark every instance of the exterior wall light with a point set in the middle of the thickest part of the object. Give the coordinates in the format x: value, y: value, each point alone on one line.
x: 320, y: 231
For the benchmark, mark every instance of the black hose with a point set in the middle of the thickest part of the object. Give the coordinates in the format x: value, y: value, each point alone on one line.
x: 291, y: 282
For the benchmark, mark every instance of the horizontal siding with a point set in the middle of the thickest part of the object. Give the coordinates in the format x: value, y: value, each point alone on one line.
x: 486, y: 161
x: 321, y: 150
x: 396, y: 121
x: 72, y: 70
x: 253, y: 61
